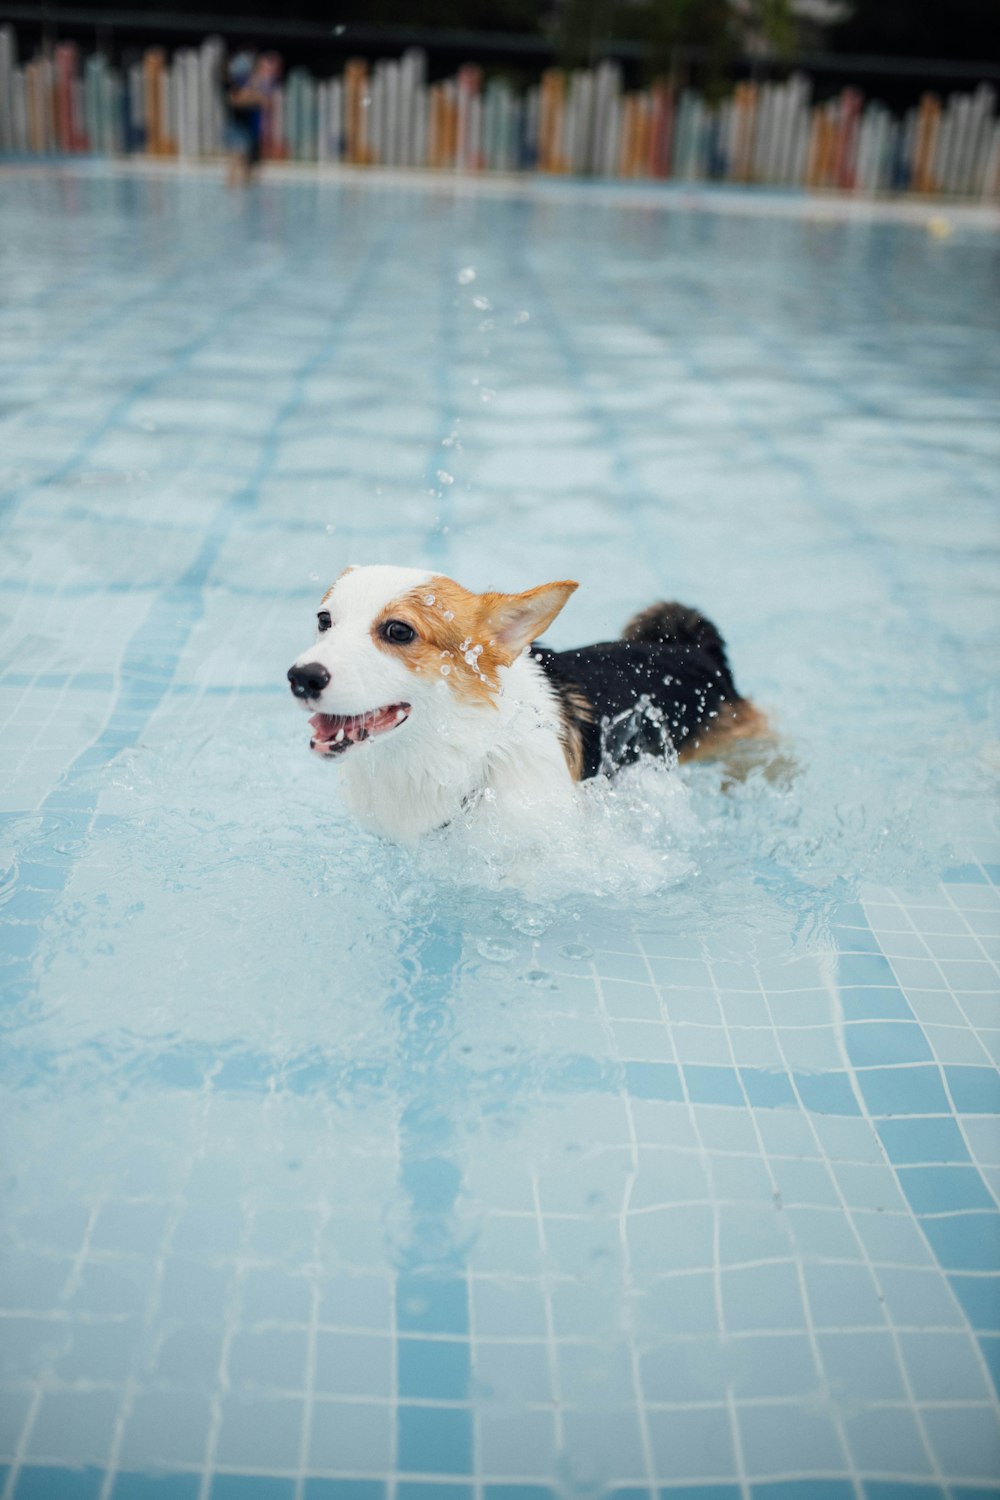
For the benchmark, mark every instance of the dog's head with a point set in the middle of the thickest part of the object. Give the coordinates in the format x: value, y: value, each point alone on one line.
x: 396, y: 646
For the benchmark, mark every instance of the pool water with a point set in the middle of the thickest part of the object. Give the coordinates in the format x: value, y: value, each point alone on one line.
x: 339, y: 1172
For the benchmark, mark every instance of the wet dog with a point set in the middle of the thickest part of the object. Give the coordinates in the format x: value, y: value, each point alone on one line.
x: 440, y: 706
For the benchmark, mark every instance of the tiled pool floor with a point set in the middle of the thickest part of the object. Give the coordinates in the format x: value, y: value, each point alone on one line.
x: 328, y: 1179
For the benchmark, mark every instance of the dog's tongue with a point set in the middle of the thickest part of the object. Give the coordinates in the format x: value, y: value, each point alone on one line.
x: 343, y: 729
x: 338, y: 727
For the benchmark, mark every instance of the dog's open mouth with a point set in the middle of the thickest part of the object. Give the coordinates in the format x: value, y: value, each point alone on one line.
x: 335, y: 733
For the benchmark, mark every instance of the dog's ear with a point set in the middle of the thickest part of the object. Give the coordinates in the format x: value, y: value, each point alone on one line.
x: 513, y: 621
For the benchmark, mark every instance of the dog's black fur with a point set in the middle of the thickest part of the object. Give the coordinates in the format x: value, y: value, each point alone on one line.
x: 665, y: 686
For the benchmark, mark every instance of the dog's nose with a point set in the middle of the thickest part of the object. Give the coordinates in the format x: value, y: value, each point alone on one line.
x: 308, y: 681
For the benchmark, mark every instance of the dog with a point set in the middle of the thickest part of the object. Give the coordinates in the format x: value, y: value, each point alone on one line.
x: 443, y: 707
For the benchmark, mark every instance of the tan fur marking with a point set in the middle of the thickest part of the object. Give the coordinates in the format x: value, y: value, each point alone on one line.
x: 736, y: 721
x: 456, y: 622
x: 569, y: 731
x: 342, y: 574
x: 446, y: 633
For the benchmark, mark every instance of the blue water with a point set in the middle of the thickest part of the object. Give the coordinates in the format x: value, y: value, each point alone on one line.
x: 334, y: 1172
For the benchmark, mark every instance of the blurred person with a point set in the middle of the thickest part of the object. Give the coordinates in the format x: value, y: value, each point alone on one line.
x: 245, y: 96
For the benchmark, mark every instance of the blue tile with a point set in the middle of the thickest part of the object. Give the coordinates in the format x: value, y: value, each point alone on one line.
x: 942, y: 1190
x: 965, y: 1241
x: 921, y: 1141
x: 699, y: 1492
x: 433, y: 1369
x: 873, y: 1043
x: 251, y: 1487
x: 874, y: 1003
x: 904, y: 1091
x: 850, y: 914
x: 976, y: 1091
x: 156, y: 1487
x: 435, y: 1439
x: 865, y: 969
x: 888, y: 1489
x: 344, y: 1489
x: 654, y: 1081
x: 713, y: 1085
x: 964, y: 875
x: 990, y: 1349
x: 804, y: 1489
x: 827, y: 1093
x: 420, y: 1489
x: 767, y: 1090
x: 516, y: 1492
x: 431, y: 1304
x: 41, y: 1482
x: 980, y: 1300
x: 856, y: 938
x: 432, y: 1182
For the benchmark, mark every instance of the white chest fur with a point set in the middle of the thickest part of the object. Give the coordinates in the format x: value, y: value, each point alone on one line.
x: 505, y: 761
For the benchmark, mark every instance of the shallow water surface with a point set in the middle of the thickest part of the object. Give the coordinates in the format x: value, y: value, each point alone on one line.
x: 342, y: 1172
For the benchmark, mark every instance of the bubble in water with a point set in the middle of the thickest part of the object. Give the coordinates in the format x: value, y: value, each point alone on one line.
x: 486, y: 394
x: 522, y: 316
x: 314, y: 578
x: 330, y: 529
x: 366, y: 101
x: 430, y: 598
x: 483, y: 304
x: 467, y: 274
x: 444, y: 669
x: 494, y: 949
x: 445, y: 477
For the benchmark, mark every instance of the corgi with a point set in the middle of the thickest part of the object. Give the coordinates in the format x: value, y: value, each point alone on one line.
x: 441, y: 706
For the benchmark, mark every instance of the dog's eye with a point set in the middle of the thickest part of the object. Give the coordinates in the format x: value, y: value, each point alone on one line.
x: 398, y: 632
x: 323, y: 620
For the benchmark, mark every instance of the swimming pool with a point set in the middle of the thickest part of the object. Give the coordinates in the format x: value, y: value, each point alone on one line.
x: 333, y: 1174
